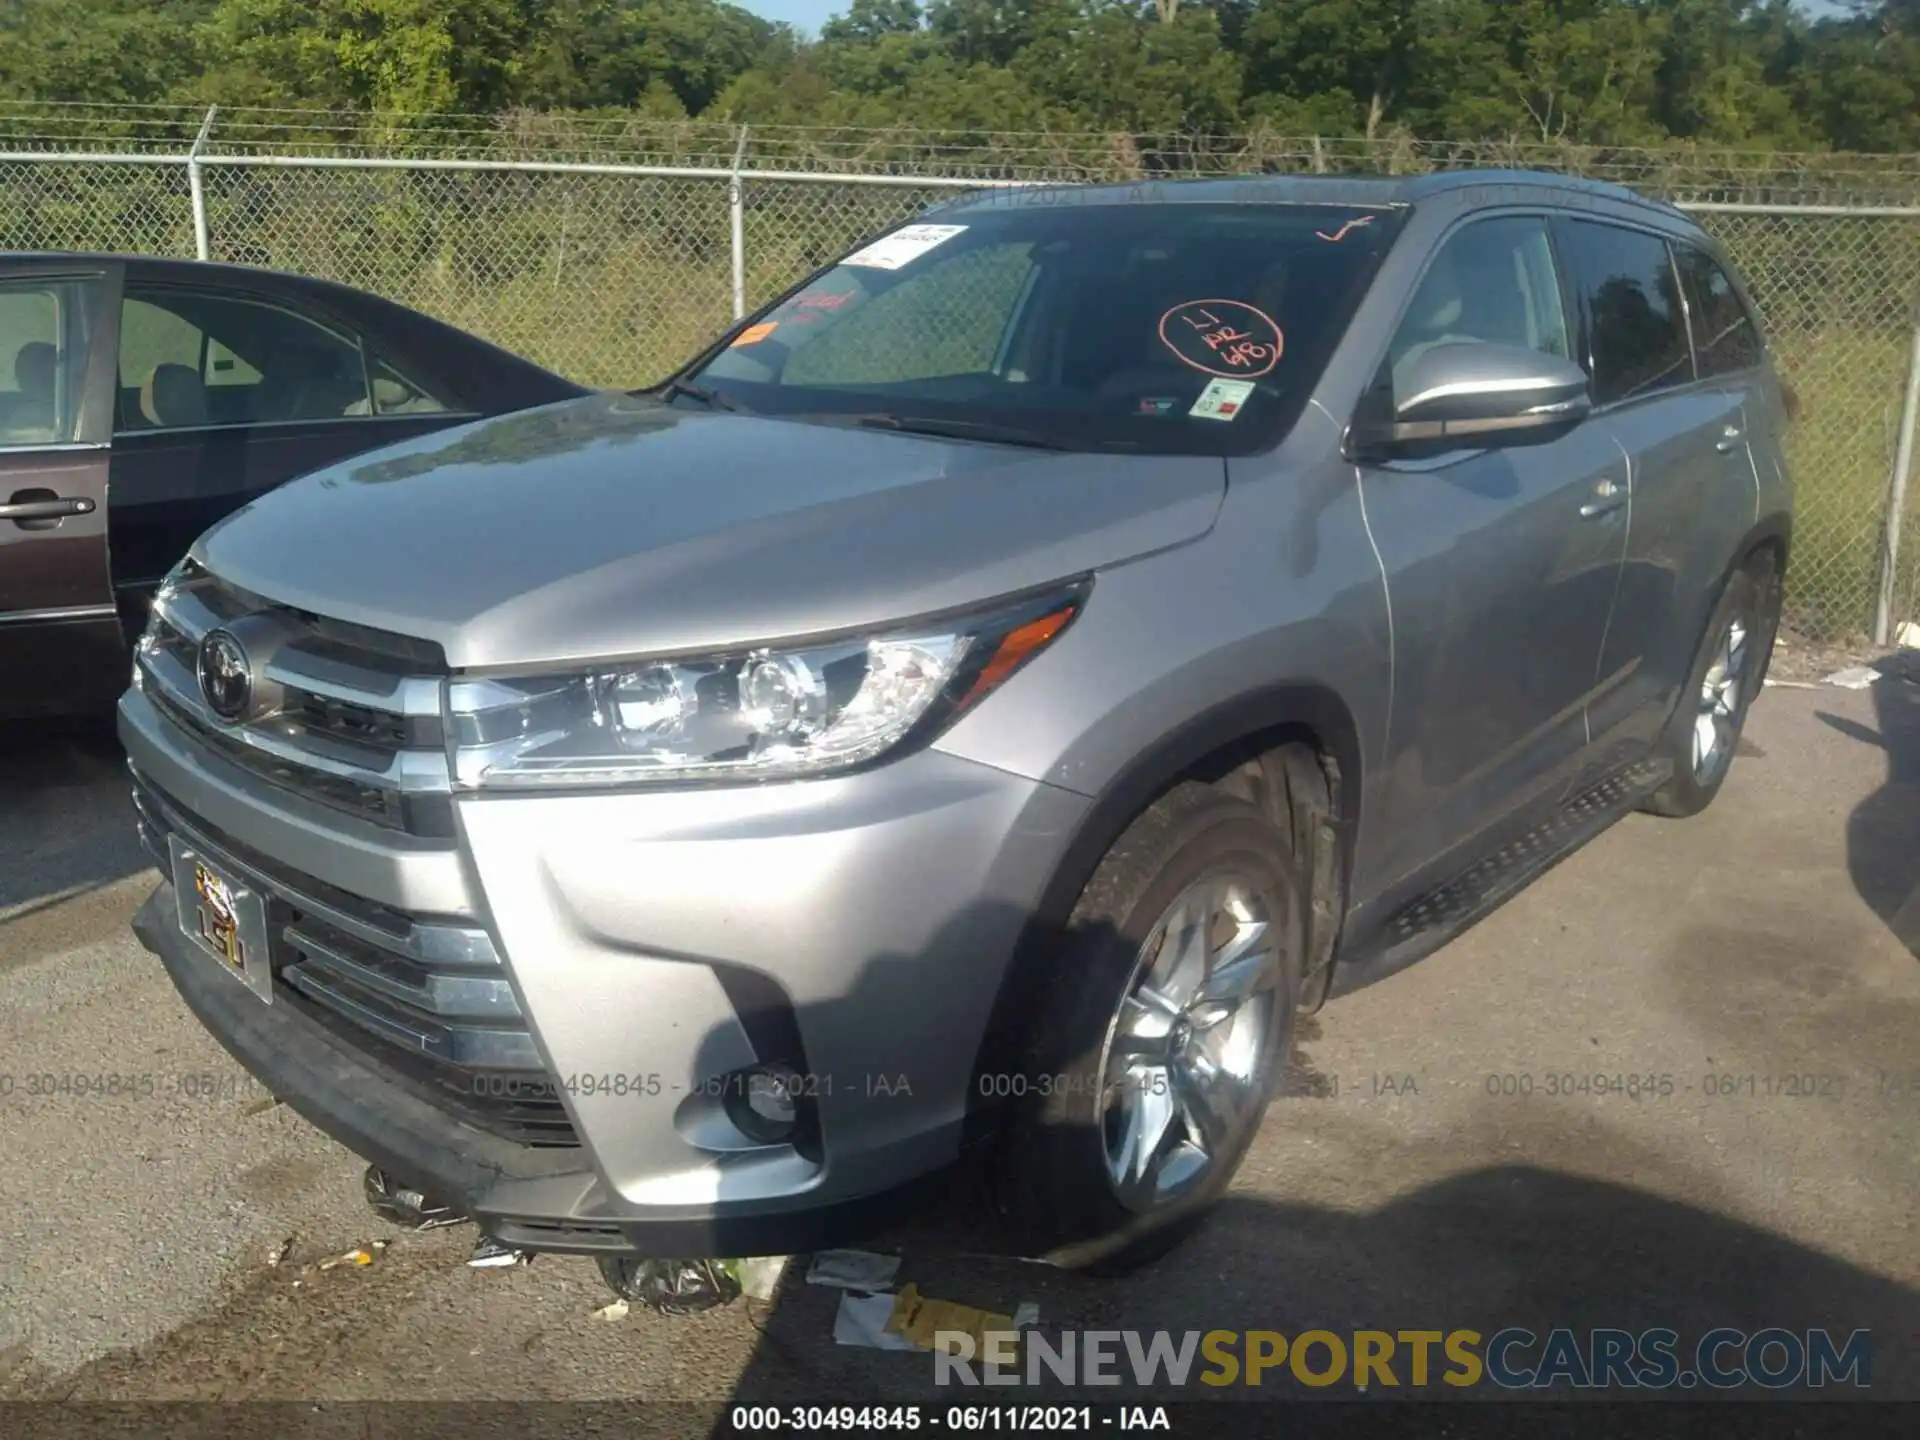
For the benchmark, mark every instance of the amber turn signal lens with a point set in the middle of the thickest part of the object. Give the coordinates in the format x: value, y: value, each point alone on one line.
x: 1014, y: 649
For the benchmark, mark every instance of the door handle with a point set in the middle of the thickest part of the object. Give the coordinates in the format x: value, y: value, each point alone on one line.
x: 1608, y: 495
x: 1729, y: 440
x: 58, y: 508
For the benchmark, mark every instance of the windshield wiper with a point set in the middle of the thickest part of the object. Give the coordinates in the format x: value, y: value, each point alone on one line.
x: 963, y: 430
x: 712, y: 399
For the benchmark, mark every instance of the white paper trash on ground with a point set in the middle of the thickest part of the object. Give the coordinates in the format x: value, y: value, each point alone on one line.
x: 863, y: 1321
x: 853, y: 1269
x: 1857, y: 677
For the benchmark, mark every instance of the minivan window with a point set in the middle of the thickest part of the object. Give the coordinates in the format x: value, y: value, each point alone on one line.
x: 1493, y: 281
x: 1183, y: 327
x: 43, y: 361
x: 1638, y: 329
x: 1725, y: 338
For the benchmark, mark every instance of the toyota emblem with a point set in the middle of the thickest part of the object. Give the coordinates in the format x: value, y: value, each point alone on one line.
x: 226, y: 675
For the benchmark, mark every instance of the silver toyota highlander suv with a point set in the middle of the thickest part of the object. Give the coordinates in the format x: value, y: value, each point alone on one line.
x: 971, y: 712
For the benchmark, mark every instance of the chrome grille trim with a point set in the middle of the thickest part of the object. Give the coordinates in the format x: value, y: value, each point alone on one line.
x: 452, y: 997
x: 469, y: 1047
x: 357, y: 718
x: 426, y: 1000
x: 419, y: 941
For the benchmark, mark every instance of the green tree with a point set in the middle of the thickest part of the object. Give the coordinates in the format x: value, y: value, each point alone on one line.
x: 108, y: 51
x: 402, y: 56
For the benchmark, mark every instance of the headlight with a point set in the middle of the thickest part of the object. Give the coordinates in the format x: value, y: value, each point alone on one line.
x: 766, y: 713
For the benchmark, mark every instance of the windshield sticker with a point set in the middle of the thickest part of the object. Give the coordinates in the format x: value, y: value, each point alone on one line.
x: 1158, y: 404
x: 754, y: 334
x: 903, y: 246
x: 1341, y: 233
x: 1222, y: 337
x: 1222, y: 400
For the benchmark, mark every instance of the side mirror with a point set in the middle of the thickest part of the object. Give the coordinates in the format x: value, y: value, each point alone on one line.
x: 1470, y: 389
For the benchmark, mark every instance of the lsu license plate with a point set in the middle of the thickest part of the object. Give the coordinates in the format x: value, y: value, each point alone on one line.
x: 223, y: 916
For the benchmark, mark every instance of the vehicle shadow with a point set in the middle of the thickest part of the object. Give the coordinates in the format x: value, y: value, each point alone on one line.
x: 1486, y: 1250
x: 1487, y: 1246
x: 66, y: 826
x: 1883, y: 833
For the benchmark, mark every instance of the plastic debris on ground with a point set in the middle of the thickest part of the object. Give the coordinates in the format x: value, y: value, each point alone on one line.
x: 671, y: 1287
x: 360, y: 1256
x: 863, y: 1321
x: 853, y: 1269
x: 1907, y: 636
x: 405, y: 1206
x: 1856, y: 677
x: 279, y: 1253
x: 612, y: 1310
x: 757, y: 1274
x: 490, y: 1254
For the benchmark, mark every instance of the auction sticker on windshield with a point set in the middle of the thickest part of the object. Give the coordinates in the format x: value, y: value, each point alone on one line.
x: 1221, y: 400
x: 903, y: 246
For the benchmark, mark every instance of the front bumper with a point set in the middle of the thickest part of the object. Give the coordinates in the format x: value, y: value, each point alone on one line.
x: 656, y: 942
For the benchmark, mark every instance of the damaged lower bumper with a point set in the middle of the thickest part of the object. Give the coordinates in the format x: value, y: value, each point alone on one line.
x: 535, y: 1199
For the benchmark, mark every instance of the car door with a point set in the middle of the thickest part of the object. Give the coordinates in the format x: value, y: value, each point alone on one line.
x: 1501, y: 565
x: 228, y: 388
x: 62, y: 649
x: 1691, y: 491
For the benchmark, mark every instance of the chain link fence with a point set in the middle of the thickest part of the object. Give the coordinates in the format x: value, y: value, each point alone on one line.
x: 609, y: 251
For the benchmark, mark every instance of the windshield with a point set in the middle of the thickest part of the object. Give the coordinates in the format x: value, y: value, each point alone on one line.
x: 1167, y: 328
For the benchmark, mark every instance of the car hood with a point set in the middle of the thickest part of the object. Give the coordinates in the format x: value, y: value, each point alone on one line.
x: 616, y: 525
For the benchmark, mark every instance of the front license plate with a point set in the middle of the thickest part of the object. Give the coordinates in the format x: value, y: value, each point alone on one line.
x: 223, y: 916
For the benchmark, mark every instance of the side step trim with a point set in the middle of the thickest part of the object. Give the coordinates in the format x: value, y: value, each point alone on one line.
x: 1443, y: 914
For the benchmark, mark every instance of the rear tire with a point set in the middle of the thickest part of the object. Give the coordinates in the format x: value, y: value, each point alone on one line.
x: 1158, y: 1038
x: 1726, y: 674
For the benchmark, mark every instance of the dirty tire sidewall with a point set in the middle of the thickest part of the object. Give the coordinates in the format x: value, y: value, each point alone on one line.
x: 1050, y: 1176
x: 1752, y: 591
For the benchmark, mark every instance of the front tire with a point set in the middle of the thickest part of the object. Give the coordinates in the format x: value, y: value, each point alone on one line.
x: 1159, y: 1036
x: 1727, y: 672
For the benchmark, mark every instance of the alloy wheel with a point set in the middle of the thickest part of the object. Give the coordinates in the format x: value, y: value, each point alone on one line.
x: 1184, y: 1066
x: 1719, y: 706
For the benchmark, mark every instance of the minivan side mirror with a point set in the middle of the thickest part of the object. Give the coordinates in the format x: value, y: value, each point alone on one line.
x: 1470, y: 390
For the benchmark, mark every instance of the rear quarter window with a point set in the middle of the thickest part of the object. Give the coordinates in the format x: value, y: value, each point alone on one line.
x: 1725, y: 338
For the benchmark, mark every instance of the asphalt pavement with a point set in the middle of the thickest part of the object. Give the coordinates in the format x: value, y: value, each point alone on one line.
x: 1453, y: 1150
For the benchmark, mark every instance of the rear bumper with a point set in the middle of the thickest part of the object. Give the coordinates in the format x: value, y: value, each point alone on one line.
x: 537, y: 1199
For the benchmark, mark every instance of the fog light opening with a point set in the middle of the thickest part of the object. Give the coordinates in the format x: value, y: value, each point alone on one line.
x: 764, y: 1103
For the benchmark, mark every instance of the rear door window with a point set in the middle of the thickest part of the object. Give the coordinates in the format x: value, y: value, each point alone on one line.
x: 1725, y: 339
x: 191, y: 358
x: 1637, y: 326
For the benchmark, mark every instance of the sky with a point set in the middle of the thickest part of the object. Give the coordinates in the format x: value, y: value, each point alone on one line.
x: 810, y: 15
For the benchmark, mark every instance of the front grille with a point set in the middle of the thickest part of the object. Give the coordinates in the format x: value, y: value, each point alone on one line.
x: 356, y: 726
x: 426, y: 1000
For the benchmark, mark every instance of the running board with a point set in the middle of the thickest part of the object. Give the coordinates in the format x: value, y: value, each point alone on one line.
x: 1442, y: 915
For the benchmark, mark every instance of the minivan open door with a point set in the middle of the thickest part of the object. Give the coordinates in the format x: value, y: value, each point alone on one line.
x: 62, y: 646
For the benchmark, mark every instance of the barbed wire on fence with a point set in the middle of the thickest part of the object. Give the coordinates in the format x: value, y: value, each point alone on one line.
x: 614, y: 278
x: 1680, y: 171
